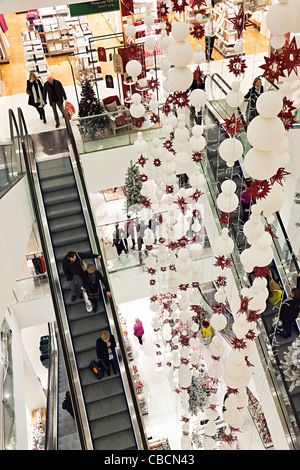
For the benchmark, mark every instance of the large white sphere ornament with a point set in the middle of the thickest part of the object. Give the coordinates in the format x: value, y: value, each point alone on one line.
x: 148, y: 20
x: 269, y: 104
x: 180, y: 53
x: 130, y: 29
x: 274, y: 201
x: 140, y: 145
x: 133, y: 68
x: 231, y: 150
x: 218, y: 321
x: 150, y: 43
x: 261, y: 165
x: 236, y: 420
x: 198, y: 56
x: 215, y: 370
x: 223, y: 245
x: 265, y: 134
x: 185, y: 442
x: 209, y: 443
x: 277, y: 42
x: 210, y: 428
x: 227, y: 203
x: 281, y: 19
x: 198, y: 98
x: 180, y: 31
x: 180, y: 78
x: 137, y: 109
x: 296, y: 6
x: 235, y: 97
x: 253, y: 229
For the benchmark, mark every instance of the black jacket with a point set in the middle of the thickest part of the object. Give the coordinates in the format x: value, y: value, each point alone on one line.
x: 74, y: 267
x: 101, y: 348
x: 59, y: 90
x: 252, y: 96
x: 29, y: 92
x: 290, y: 308
x: 90, y: 286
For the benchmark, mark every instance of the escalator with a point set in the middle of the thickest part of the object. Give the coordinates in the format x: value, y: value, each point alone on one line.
x: 217, y: 171
x: 106, y: 412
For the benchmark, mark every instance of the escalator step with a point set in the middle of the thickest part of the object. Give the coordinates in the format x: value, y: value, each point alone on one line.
x: 60, y: 197
x: 76, y: 310
x: 87, y: 342
x: 102, y: 408
x: 88, y: 324
x: 110, y: 425
x: 61, y: 251
x: 62, y: 162
x: 66, y: 223
x: 103, y: 389
x: 121, y: 440
x: 69, y: 237
x: 63, y: 210
x: 51, y: 173
x: 57, y: 184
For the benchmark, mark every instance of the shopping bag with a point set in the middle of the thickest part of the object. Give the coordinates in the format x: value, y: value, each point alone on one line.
x: 70, y: 110
x: 96, y: 368
x: 88, y: 303
x: 275, y: 298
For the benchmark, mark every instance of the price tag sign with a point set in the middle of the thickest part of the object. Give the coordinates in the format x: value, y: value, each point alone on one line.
x: 118, y: 63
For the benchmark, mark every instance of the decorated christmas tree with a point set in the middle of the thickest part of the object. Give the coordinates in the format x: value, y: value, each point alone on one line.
x: 198, y: 396
x: 90, y: 106
x: 133, y: 186
x: 291, y: 364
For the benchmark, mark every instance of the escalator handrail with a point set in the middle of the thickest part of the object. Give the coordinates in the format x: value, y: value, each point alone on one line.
x: 56, y: 294
x: 52, y: 396
x: 94, y: 234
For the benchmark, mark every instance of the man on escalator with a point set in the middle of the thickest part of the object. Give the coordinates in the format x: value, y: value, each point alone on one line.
x: 73, y: 267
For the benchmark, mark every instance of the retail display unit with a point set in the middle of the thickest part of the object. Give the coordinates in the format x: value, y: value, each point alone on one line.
x: 159, y: 443
x: 259, y: 419
x: 35, y: 59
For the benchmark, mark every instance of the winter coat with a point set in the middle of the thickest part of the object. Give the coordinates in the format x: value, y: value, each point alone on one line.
x: 252, y: 96
x: 138, y: 329
x: 290, y: 308
x: 59, y: 90
x: 101, y: 348
x: 71, y: 268
x: 29, y: 86
x: 91, y: 283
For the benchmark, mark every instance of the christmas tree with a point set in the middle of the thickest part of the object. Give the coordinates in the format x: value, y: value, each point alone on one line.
x: 198, y: 396
x: 90, y: 106
x: 133, y: 186
x: 291, y: 366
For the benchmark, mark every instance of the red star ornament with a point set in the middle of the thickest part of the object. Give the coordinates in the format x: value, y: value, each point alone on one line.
x: 181, y: 99
x: 291, y: 57
x: 286, y: 114
x: 222, y: 262
x: 273, y: 67
x: 237, y: 65
x: 179, y: 5
x: 182, y: 204
x: 281, y: 173
x: 153, y: 84
x: 198, y: 4
x: 198, y: 31
x: 142, y: 161
x: 259, y: 189
x: 154, y: 118
x: 162, y: 10
x: 240, y: 21
x: 225, y: 218
x: 233, y: 125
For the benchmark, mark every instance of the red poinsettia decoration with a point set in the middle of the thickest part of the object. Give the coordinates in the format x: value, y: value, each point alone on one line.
x: 219, y: 308
x: 244, y: 304
x: 228, y: 438
x: 281, y: 173
x: 138, y: 122
x: 183, y: 287
x: 251, y: 335
x: 290, y: 57
x: 286, y: 114
x: 151, y: 271
x: 238, y: 343
x: 240, y: 21
x: 221, y: 281
x: 223, y: 262
x: 182, y: 242
x: 154, y: 118
x: 269, y: 229
x: 180, y: 99
x: 169, y: 189
x: 198, y: 31
x: 197, y: 157
x: 233, y: 125
x: 153, y: 83
x: 195, y: 196
x: 259, y: 189
x: 162, y: 10
x: 198, y: 4
x: 261, y: 272
x: 146, y: 202
x: 253, y: 316
x: 273, y: 67
x: 156, y: 162
x: 166, y: 109
x: 179, y: 5
x: 142, y: 161
x: 143, y: 178
x: 182, y: 204
x: 237, y: 65
x: 168, y: 145
x: 225, y: 218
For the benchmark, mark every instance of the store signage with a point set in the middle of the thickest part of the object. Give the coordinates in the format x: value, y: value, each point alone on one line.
x: 98, y: 6
x: 118, y: 63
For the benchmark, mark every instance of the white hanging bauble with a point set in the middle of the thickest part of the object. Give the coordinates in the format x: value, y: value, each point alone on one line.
x: 184, y: 316
x: 133, y: 68
x: 215, y: 370
x: 150, y: 261
x: 261, y: 165
x: 197, y: 143
x: 253, y: 229
x: 149, y: 237
x: 223, y: 245
x: 277, y: 42
x: 227, y: 203
x: 265, y: 134
x: 218, y: 321
x: 181, y: 134
x: 180, y: 31
x: 296, y: 6
x: 234, y: 419
x: 211, y: 414
x: 196, y: 250
x: 184, y: 376
x: 235, y: 97
x: 269, y: 104
x: 140, y: 145
x: 180, y: 53
x: 210, y: 428
x: 148, y: 20
x: 274, y: 201
x: 186, y: 442
x: 209, y: 443
x: 150, y: 43
x: 182, y: 160
x: 238, y: 46
x: 236, y: 356
x: 130, y: 29
x: 240, y: 329
x: 197, y: 180
x: 281, y: 18
x: 216, y: 350
x: 198, y: 99
x: 198, y: 56
x: 137, y: 109
x: 231, y: 150
x: 220, y: 295
x: 180, y: 78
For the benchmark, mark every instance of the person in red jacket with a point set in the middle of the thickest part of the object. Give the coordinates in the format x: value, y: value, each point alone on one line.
x: 138, y: 330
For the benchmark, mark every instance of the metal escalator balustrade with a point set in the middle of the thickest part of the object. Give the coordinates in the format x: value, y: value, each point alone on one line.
x: 216, y: 172
x: 107, y: 412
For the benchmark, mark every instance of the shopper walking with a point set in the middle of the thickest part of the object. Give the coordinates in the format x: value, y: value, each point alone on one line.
x: 138, y: 330
x: 211, y: 28
x: 119, y: 239
x: 35, y: 90
x: 289, y: 311
x: 73, y: 269
x: 56, y: 95
x: 67, y: 404
x: 129, y: 230
x: 106, y: 351
x: 91, y: 284
x: 245, y: 199
x: 254, y: 92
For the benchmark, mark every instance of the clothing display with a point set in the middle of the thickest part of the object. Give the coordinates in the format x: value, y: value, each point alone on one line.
x: 36, y: 263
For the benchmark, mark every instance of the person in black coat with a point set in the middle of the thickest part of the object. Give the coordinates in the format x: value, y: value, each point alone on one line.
x: 91, y: 284
x: 255, y: 91
x: 119, y: 240
x: 72, y: 267
x: 67, y: 404
x: 35, y: 90
x: 290, y: 310
x: 56, y: 95
x: 106, y: 351
x: 197, y: 83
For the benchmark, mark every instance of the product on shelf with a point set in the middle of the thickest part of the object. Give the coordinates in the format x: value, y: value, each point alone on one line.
x: 259, y: 419
x: 159, y: 443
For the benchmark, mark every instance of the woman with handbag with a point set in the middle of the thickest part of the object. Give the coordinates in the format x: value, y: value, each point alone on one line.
x: 35, y: 91
x: 91, y: 284
x: 275, y: 291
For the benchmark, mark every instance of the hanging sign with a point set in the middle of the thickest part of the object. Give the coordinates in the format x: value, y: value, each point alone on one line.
x: 118, y: 63
x: 89, y: 8
x: 109, y: 81
x: 101, y: 54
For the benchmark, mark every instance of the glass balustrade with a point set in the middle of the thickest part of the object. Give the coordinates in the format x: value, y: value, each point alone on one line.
x: 31, y: 288
x: 7, y: 416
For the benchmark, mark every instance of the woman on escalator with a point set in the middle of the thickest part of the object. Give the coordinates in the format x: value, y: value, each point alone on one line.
x: 91, y: 284
x: 255, y: 91
x: 35, y: 91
